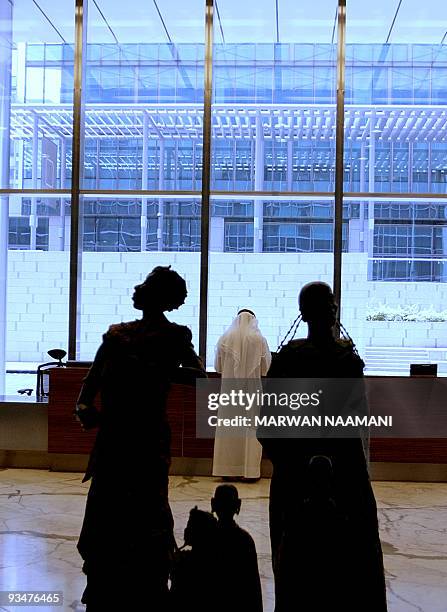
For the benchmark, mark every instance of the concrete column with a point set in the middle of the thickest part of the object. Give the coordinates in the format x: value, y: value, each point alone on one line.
x: 33, y: 215
x: 363, y: 229
x: 259, y: 185
x: 410, y: 167
x: 98, y: 165
x: 289, y: 164
x: 161, y: 184
x: 234, y: 162
x: 371, y: 187
x: 392, y: 166
x: 144, y: 183
x: 5, y: 111
x: 62, y: 208
x: 429, y: 177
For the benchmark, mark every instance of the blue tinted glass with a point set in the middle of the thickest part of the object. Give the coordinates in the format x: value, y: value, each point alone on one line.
x: 422, y: 53
x: 166, y: 52
x: 283, y: 52
x: 324, y: 52
x: 264, y: 52
x: 381, y: 53
x: 148, y: 52
x: 245, y: 51
x: 35, y: 53
x: 148, y: 83
x: 53, y: 53
x: 361, y: 53
x: 129, y: 53
x: 439, y: 85
x: 110, y: 52
x: 94, y: 52
x: 402, y: 83
x: 303, y: 52
x: 264, y: 84
x: 188, y: 52
x: 421, y: 85
x: 379, y: 82
x: 400, y: 53
x: 68, y: 53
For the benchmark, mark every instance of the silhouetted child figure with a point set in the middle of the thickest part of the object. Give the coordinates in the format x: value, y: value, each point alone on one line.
x: 238, y: 586
x: 311, y: 556
x: 193, y: 571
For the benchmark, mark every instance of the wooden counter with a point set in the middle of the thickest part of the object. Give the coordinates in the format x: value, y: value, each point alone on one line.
x: 66, y: 437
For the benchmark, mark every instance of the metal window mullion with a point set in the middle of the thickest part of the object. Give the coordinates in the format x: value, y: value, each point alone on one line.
x: 206, y: 178
x: 339, y: 151
x: 76, y: 233
x: 6, y: 17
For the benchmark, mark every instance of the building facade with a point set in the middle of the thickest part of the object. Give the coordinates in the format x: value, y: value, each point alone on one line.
x: 273, y: 131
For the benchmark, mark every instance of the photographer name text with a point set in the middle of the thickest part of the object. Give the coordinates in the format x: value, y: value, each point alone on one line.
x: 296, y: 420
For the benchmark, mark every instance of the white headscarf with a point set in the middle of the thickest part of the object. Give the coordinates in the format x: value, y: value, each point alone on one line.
x: 244, y: 344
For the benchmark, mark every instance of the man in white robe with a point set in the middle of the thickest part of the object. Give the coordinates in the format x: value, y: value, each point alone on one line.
x: 241, y: 353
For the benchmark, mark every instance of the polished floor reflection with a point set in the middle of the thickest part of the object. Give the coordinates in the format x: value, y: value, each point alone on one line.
x: 41, y: 513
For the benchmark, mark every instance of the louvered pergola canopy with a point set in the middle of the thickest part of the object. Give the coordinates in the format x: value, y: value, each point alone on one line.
x: 285, y: 122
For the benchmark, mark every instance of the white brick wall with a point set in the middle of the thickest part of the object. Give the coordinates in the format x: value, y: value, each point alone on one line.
x: 401, y: 334
x: 268, y: 283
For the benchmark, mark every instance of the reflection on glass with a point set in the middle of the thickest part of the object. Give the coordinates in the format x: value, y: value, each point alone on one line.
x: 273, y: 128
x: 143, y: 132
x: 395, y: 143
x: 37, y: 285
x: 273, y: 98
x: 36, y: 76
x: 114, y: 261
x: 297, y: 246
x: 36, y: 61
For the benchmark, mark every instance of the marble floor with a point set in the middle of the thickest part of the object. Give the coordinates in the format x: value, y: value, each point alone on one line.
x: 41, y: 512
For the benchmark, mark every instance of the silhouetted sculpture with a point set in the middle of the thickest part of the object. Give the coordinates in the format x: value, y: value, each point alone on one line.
x: 220, y: 571
x: 127, y: 534
x: 193, y: 574
x: 352, y: 569
x: 239, y: 585
x: 311, y: 548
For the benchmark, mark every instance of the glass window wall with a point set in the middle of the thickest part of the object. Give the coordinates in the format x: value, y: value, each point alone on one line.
x: 272, y: 167
x: 395, y: 122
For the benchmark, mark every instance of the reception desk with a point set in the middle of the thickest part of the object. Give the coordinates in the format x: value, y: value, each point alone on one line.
x: 65, y: 436
x: 46, y: 435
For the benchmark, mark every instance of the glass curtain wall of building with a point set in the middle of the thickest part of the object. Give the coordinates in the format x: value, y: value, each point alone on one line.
x: 36, y: 65
x: 143, y: 124
x: 273, y: 168
x: 273, y: 160
x: 395, y: 150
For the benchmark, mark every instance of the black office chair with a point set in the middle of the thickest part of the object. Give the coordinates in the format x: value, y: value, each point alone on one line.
x: 43, y: 374
x: 43, y: 371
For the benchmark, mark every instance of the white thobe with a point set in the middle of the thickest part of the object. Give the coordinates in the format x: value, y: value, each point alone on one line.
x: 238, y: 456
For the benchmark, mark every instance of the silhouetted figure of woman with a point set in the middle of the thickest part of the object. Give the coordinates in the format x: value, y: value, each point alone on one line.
x: 352, y: 570
x: 127, y: 534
